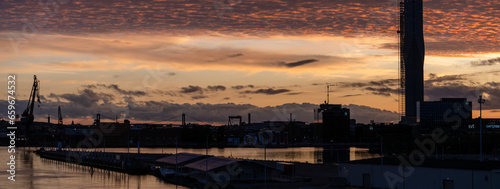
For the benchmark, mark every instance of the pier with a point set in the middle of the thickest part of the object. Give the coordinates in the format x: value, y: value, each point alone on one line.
x: 120, y: 162
x: 193, y: 170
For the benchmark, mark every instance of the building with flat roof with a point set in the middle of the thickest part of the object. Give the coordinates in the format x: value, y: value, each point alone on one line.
x: 234, y: 169
x: 336, y: 123
x: 179, y: 160
x: 431, y: 174
x: 447, y: 113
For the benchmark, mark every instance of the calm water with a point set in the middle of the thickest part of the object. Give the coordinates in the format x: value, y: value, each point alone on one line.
x: 297, y: 154
x: 38, y: 173
x: 33, y: 172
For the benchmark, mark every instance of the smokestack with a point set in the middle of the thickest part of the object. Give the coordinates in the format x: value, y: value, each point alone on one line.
x: 183, y: 119
x: 48, y: 118
x: 249, y: 118
x: 315, y: 116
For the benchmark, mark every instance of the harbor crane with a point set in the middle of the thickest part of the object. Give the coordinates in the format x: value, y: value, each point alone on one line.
x: 27, y: 117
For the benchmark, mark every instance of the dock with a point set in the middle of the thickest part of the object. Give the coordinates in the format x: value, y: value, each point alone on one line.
x: 130, y: 163
x: 193, y: 170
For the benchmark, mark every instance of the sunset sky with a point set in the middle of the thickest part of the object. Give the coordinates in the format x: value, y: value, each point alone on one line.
x: 155, y: 59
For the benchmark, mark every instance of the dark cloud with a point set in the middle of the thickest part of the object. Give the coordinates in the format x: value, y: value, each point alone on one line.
x: 385, y: 87
x: 364, y: 114
x: 90, y: 86
x: 297, y: 93
x: 298, y: 63
x: 433, y: 78
x: 216, y: 88
x: 268, y: 91
x: 198, y: 92
x: 195, y: 97
x: 493, y: 84
x: 436, y: 87
x: 212, y: 113
x: 167, y: 93
x: 238, y: 87
x: 433, y: 92
x: 191, y: 89
x: 126, y: 92
x: 456, y: 87
x: 350, y: 95
x: 385, y: 91
x: 235, y: 55
x: 351, y: 84
x: 472, y: 93
x: 489, y: 62
x: 385, y: 82
x: 380, y: 83
x: 86, y: 98
x: 116, y: 88
x: 198, y: 89
x: 77, y: 109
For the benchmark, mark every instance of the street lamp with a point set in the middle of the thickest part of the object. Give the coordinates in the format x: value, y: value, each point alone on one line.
x: 481, y: 102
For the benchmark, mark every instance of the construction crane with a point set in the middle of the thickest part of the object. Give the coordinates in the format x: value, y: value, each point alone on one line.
x: 59, y: 116
x: 27, y: 117
x: 328, y: 93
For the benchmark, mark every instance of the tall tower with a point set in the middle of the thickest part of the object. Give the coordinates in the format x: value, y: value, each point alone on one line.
x: 412, y: 52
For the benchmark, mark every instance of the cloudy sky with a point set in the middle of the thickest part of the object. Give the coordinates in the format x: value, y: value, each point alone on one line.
x: 153, y: 60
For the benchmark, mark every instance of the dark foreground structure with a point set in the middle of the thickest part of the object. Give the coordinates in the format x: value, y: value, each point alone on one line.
x: 429, y: 174
x: 412, y: 58
x: 201, y: 171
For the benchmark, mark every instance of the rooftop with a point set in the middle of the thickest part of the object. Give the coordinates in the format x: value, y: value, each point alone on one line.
x: 436, y: 163
x: 181, y: 158
x: 211, y: 163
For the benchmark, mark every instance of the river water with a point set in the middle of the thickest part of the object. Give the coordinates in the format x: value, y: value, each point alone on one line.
x: 297, y: 154
x: 38, y: 173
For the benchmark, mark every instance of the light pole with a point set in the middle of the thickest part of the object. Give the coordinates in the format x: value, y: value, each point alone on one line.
x: 481, y: 102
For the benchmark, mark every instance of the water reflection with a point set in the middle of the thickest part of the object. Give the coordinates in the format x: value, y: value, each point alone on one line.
x: 316, y: 155
x: 35, y: 172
